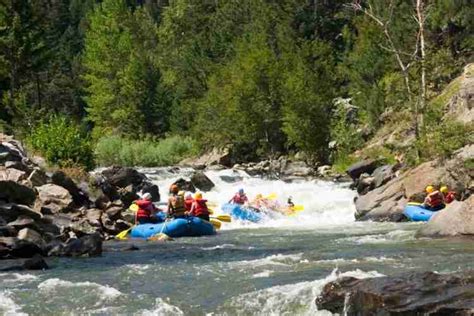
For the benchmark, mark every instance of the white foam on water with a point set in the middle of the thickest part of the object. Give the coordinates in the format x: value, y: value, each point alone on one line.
x: 161, y: 308
x: 263, y: 274
x: 326, y: 204
x: 289, y: 299
x: 8, y: 306
x: 17, y: 277
x: 395, y: 236
x: 104, y: 292
x: 276, y: 260
x: 137, y: 269
x: 223, y: 246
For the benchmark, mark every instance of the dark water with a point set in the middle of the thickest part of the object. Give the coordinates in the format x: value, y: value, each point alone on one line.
x: 244, y: 271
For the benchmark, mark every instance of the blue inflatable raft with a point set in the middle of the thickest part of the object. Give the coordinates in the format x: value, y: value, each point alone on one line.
x: 417, y: 213
x: 239, y: 212
x: 180, y: 227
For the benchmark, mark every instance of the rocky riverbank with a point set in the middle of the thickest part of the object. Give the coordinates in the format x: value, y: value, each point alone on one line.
x: 425, y: 293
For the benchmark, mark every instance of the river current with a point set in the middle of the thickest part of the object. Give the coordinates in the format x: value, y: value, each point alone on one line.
x: 276, y: 267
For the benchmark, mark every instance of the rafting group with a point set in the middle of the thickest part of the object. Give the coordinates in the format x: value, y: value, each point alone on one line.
x: 188, y: 215
x: 435, y: 200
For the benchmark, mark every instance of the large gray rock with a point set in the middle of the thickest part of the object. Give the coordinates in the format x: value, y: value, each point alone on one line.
x: 461, y: 105
x: 297, y: 168
x: 53, y: 198
x: 14, y: 192
x: 37, y: 177
x: 78, y: 196
x: 214, y: 157
x: 11, y: 211
x: 382, y: 175
x: 125, y: 184
x: 22, y: 221
x: 12, y: 174
x: 201, y: 181
x: 457, y: 219
x: 364, y: 166
x: 425, y: 293
x: 89, y: 245
x: 31, y: 235
x: 185, y: 185
x: 12, y: 247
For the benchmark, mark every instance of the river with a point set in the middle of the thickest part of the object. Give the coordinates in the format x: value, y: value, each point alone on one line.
x: 277, y: 267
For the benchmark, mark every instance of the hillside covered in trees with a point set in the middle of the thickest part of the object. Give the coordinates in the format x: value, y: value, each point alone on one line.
x: 153, y: 81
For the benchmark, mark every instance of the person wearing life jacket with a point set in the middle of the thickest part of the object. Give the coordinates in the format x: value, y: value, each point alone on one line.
x: 239, y: 198
x: 176, y: 207
x: 434, y: 200
x: 146, y: 213
x: 449, y: 196
x: 199, y: 207
x: 188, y: 201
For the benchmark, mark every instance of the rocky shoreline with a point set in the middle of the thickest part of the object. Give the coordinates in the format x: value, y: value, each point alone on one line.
x: 421, y: 293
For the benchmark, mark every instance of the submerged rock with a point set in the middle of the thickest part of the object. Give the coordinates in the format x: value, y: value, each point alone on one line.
x: 457, y: 219
x: 425, y: 293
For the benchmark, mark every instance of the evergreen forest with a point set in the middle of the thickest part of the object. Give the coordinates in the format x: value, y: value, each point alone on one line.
x: 150, y: 82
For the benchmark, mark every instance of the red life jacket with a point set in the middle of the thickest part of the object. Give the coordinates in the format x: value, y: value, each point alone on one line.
x: 434, y: 199
x: 199, y: 207
x: 188, y: 203
x: 451, y: 196
x: 239, y: 199
x: 145, y: 208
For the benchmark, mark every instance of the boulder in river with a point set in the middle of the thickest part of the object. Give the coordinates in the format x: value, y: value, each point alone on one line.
x: 201, y: 181
x: 88, y: 245
x: 425, y: 293
x: 53, y: 199
x: 457, y: 219
x: 125, y: 184
x: 78, y: 196
x: 14, y: 192
x: 185, y: 185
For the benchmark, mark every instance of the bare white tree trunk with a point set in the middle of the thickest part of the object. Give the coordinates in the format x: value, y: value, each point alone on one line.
x: 421, y: 20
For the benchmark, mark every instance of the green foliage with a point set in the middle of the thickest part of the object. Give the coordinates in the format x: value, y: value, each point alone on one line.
x: 114, y: 150
x: 62, y: 142
x: 123, y: 81
x: 442, y: 139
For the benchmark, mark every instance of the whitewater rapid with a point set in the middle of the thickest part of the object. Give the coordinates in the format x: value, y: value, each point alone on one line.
x: 326, y: 204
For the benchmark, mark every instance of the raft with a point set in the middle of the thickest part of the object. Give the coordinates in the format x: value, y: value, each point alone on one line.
x: 417, y: 213
x: 242, y: 213
x: 180, y: 227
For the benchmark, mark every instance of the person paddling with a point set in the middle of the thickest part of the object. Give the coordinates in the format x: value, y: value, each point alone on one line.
x: 434, y: 200
x: 239, y: 198
x: 449, y: 196
x: 146, y: 213
x: 188, y: 201
x: 199, y: 207
x: 176, y: 207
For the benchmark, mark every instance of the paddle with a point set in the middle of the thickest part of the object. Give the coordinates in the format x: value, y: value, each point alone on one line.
x: 217, y: 224
x: 223, y: 218
x: 271, y: 196
x: 298, y: 207
x: 123, y: 235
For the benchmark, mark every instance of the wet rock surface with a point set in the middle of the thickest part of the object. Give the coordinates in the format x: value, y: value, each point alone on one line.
x: 425, y: 293
x: 457, y: 219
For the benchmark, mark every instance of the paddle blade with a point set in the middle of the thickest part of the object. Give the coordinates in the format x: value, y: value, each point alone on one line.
x: 298, y: 207
x: 123, y: 235
x: 217, y: 224
x: 133, y: 207
x: 271, y: 196
x: 224, y: 218
x: 211, y: 210
x: 414, y: 203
